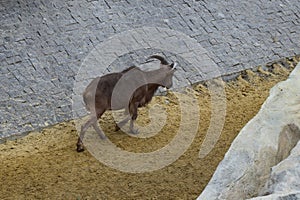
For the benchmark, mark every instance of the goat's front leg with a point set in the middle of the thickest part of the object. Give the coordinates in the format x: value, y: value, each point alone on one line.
x: 84, y: 128
x: 133, y: 108
x: 122, y: 123
x: 132, y: 129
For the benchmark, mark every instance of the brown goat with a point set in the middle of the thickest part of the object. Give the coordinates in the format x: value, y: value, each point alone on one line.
x: 129, y: 89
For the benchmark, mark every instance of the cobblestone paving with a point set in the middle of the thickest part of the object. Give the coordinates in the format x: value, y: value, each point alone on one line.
x: 43, y: 44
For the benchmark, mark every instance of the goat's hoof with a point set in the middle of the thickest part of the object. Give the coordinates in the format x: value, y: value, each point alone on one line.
x: 80, y: 148
x: 117, y: 128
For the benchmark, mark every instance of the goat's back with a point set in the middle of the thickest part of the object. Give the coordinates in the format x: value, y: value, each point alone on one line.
x: 114, y: 91
x: 98, y: 92
x: 132, y: 87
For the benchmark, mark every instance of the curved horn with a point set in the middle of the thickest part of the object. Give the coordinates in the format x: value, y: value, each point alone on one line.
x: 163, y: 61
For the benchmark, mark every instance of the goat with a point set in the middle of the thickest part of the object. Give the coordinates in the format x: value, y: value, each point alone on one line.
x: 129, y: 89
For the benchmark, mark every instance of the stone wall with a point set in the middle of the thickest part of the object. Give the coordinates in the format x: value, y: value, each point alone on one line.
x: 43, y: 44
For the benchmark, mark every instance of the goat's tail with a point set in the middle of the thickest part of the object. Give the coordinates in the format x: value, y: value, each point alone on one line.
x: 87, y: 99
x: 89, y: 95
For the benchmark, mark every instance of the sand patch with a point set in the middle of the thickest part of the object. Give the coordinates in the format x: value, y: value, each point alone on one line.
x: 45, y: 164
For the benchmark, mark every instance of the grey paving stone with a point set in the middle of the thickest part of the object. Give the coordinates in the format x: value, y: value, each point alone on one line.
x: 43, y: 45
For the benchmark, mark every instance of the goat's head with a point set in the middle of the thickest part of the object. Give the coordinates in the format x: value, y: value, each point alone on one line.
x: 166, y: 71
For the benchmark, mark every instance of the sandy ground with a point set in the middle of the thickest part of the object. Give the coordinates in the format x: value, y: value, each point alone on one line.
x: 45, y: 164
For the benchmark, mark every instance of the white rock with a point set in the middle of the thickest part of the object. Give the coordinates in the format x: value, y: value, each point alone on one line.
x: 264, y: 142
x: 287, y: 196
x: 285, y: 178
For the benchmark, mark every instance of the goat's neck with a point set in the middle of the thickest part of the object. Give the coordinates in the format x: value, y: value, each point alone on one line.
x: 155, y: 77
x: 152, y: 87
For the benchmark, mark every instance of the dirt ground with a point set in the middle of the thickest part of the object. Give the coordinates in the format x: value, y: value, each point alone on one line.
x: 45, y: 164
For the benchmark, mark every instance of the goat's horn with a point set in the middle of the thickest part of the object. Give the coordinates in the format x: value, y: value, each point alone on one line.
x: 162, y: 59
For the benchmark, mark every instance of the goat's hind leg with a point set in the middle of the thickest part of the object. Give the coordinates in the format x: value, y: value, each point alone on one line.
x: 84, y: 128
x: 99, y: 131
x: 96, y: 125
